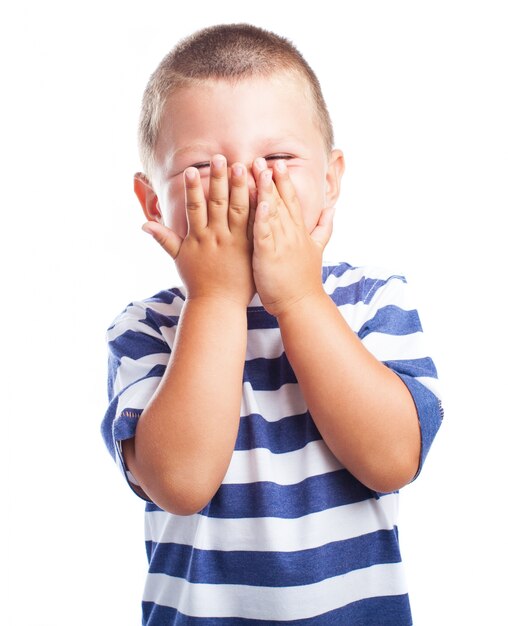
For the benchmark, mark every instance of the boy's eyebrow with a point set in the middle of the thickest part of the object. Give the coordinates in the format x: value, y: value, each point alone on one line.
x: 193, y: 148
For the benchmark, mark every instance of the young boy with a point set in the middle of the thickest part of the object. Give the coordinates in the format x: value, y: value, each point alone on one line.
x: 270, y: 409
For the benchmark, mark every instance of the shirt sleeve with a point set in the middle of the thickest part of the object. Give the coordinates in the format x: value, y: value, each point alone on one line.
x: 394, y: 334
x: 137, y: 359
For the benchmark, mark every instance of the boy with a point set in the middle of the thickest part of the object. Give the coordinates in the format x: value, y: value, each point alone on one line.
x: 269, y: 410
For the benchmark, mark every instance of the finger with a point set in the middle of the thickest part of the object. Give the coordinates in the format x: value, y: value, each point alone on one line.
x: 262, y: 232
x: 267, y: 192
x: 238, y: 199
x: 218, y: 194
x: 323, y: 231
x: 195, y: 201
x: 257, y: 167
x: 165, y: 237
x: 287, y: 191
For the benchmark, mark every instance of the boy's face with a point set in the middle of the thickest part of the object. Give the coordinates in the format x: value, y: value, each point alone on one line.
x: 271, y: 117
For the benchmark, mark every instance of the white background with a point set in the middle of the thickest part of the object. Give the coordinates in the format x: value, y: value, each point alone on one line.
x: 417, y: 91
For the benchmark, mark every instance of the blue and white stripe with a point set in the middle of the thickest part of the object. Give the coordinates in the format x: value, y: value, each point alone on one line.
x: 290, y: 535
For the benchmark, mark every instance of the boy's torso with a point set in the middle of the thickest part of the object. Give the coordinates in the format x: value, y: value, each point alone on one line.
x: 290, y: 534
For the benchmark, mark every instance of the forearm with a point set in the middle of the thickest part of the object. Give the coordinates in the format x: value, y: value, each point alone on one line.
x: 362, y: 409
x: 186, y: 435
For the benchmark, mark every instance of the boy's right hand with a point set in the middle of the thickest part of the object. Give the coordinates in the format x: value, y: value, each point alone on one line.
x: 214, y: 258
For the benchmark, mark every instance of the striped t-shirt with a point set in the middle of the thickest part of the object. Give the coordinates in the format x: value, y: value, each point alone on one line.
x: 290, y: 536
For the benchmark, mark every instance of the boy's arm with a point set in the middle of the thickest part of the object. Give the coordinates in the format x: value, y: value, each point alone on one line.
x: 362, y: 409
x: 186, y: 434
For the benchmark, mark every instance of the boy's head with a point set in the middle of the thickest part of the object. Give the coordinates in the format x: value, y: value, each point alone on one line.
x: 229, y: 52
x: 240, y: 91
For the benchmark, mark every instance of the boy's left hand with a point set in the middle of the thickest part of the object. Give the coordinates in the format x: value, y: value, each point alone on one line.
x: 287, y: 259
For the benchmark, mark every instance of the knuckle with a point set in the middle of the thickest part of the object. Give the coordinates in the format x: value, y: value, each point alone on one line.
x: 238, y: 208
x: 217, y: 203
x: 293, y: 198
x: 273, y: 210
x: 162, y: 240
x: 193, y: 205
x: 266, y: 237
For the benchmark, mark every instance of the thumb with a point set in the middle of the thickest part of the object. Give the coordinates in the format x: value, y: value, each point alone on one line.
x: 323, y: 231
x: 165, y: 237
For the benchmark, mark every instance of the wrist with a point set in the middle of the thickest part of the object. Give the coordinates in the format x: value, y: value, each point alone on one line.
x: 217, y: 301
x: 302, y: 306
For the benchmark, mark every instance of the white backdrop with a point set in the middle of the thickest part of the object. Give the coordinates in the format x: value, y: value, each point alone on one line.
x: 418, y: 94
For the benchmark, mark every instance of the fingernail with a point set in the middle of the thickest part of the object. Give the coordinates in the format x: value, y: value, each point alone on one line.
x: 237, y: 169
x: 260, y: 163
x: 281, y: 166
x: 190, y: 173
x: 218, y: 161
x: 267, y: 176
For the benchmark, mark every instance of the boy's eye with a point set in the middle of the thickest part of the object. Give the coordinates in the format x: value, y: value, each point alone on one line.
x: 272, y: 157
x: 278, y: 157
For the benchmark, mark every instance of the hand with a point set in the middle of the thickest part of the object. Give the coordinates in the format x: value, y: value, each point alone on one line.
x: 286, y: 259
x: 214, y: 259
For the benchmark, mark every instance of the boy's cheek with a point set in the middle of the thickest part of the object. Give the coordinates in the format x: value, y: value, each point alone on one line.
x: 173, y: 208
x: 176, y: 220
x: 312, y: 201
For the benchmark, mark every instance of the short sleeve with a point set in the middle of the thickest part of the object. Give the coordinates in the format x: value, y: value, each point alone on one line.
x: 137, y: 359
x: 394, y: 334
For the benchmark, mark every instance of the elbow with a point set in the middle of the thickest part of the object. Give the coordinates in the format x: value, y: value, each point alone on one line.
x: 388, y: 483
x: 183, y: 504
x: 395, y: 464
x: 180, y: 497
x: 392, y: 473
x: 177, y: 507
x: 180, y: 493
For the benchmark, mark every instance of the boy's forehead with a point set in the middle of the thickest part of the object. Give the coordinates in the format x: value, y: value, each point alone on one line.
x: 277, y: 99
x: 279, y: 85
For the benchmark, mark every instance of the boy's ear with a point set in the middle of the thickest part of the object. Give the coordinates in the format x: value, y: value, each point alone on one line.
x: 147, y: 197
x: 334, y: 173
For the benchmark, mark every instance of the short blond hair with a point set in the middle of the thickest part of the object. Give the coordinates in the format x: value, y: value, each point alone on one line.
x: 224, y: 52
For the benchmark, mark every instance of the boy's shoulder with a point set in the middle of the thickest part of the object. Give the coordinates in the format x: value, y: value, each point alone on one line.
x: 352, y: 284
x: 158, y: 310
x: 346, y: 272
